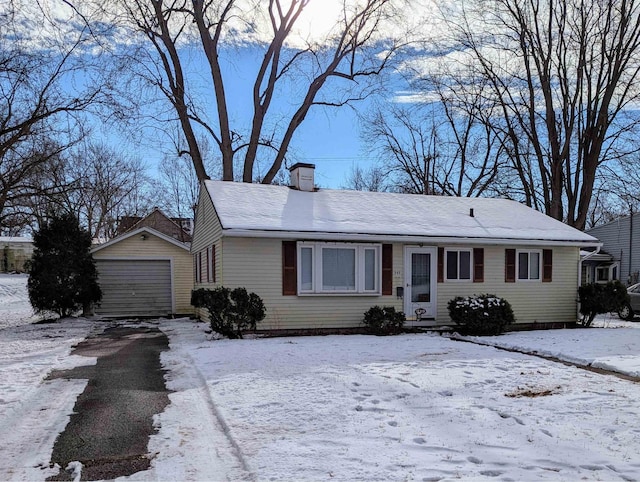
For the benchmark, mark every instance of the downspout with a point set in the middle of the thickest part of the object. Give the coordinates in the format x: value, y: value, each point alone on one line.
x: 580, y: 260
x: 630, y: 245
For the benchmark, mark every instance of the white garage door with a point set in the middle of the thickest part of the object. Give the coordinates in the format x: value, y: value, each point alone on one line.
x: 134, y: 287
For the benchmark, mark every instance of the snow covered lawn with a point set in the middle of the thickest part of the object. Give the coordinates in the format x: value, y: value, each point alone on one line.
x: 409, y: 407
x: 14, y: 301
x: 615, y: 348
x: 33, y: 411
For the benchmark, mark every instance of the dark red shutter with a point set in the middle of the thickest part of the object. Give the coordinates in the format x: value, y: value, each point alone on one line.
x: 478, y: 265
x: 547, y: 265
x: 206, y: 262
x: 195, y: 267
x: 440, y: 265
x: 510, y: 265
x: 213, y: 261
x: 387, y: 269
x: 289, y: 268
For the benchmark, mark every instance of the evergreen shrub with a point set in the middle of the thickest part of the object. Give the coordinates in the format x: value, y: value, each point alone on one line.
x: 231, y: 312
x: 596, y: 298
x: 481, y: 315
x: 384, y: 320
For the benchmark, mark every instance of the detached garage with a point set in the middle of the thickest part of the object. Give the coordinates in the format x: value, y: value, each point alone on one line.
x: 144, y: 273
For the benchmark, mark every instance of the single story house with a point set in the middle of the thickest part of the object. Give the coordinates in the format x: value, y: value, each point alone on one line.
x: 320, y: 258
x: 144, y: 272
x: 620, y: 240
x: 16, y: 251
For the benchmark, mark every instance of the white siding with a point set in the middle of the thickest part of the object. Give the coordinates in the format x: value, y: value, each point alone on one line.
x: 256, y: 264
x: 207, y: 233
x: 532, y: 301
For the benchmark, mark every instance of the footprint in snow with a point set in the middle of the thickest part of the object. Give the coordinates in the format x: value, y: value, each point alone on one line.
x: 392, y: 423
x: 474, y: 460
x: 491, y: 473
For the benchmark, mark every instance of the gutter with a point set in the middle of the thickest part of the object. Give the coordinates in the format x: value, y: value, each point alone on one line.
x: 416, y: 239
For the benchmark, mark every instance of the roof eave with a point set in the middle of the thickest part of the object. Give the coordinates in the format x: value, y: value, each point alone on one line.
x: 143, y: 229
x: 415, y: 239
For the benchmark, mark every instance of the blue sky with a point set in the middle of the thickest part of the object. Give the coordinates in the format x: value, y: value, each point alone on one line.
x: 329, y: 137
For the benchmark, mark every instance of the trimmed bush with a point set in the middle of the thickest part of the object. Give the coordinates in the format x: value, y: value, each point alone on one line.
x: 384, y: 321
x: 596, y: 298
x: 231, y: 312
x: 480, y: 315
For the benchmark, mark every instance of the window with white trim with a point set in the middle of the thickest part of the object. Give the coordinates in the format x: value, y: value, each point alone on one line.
x: 529, y: 265
x: 607, y: 273
x: 458, y: 264
x: 339, y: 268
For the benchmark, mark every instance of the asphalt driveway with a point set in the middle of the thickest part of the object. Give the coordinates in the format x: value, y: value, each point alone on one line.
x: 109, y: 430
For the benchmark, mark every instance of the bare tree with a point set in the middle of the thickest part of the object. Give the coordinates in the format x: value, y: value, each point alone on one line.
x: 39, y: 105
x: 101, y: 185
x: 437, y: 145
x: 616, y: 192
x: 374, y: 179
x: 350, y: 59
x: 564, y: 74
x: 179, y: 186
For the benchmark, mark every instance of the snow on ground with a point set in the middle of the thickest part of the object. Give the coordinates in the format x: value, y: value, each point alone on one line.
x: 616, y: 348
x: 34, y: 410
x: 409, y: 407
x: 14, y: 302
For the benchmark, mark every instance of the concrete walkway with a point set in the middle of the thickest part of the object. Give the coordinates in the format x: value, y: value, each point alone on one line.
x: 113, y: 418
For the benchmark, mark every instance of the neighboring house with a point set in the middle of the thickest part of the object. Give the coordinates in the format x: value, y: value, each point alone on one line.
x: 321, y: 258
x: 598, y: 266
x: 16, y: 251
x: 621, y: 242
x: 177, y: 228
x: 144, y: 272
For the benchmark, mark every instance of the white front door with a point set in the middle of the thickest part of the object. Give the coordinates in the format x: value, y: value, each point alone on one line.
x: 420, y: 281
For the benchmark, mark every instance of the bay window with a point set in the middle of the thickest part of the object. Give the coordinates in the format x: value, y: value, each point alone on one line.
x: 339, y: 268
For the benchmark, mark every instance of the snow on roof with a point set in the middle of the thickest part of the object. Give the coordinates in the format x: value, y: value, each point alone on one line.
x: 264, y: 209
